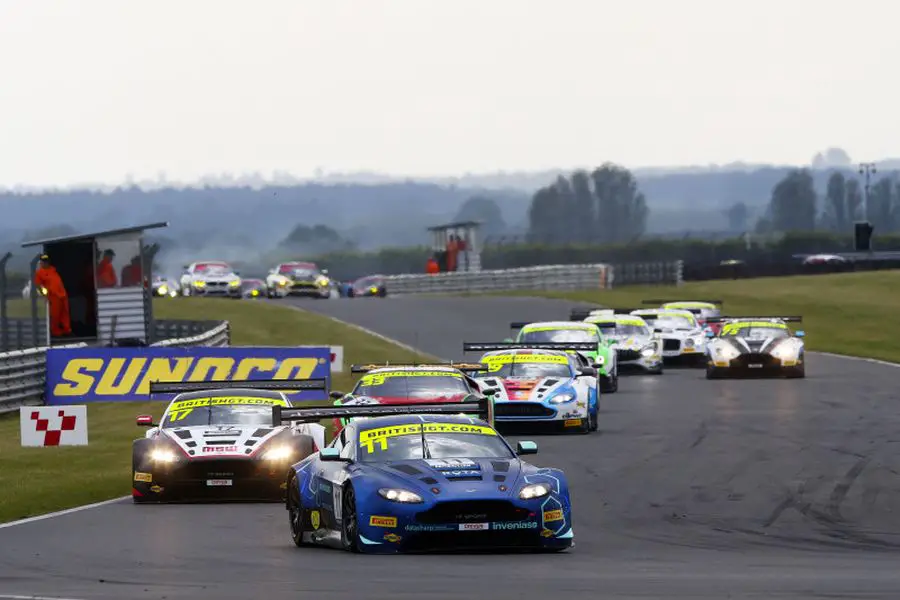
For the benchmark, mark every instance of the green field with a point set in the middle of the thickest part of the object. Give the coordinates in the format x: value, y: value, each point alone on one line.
x: 851, y: 313
x: 40, y: 480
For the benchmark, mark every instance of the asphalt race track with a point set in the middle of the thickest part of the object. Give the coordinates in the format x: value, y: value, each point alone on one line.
x: 691, y: 489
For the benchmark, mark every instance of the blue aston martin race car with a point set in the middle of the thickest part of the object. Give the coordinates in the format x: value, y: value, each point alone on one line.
x: 423, y: 477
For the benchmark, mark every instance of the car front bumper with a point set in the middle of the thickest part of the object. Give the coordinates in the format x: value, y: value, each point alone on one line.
x: 633, y: 360
x: 753, y: 365
x: 212, y: 479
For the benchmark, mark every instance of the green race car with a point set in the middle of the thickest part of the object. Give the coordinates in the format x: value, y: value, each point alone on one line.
x: 569, y: 331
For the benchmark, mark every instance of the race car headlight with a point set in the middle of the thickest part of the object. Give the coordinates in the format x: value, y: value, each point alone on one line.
x: 234, y: 283
x: 562, y: 398
x: 279, y: 453
x: 535, y: 490
x: 689, y: 343
x: 648, y: 351
x: 783, y: 351
x: 397, y: 495
x: 322, y: 281
x: 163, y: 290
x: 726, y: 352
x: 282, y: 281
x: 199, y: 284
x: 163, y: 455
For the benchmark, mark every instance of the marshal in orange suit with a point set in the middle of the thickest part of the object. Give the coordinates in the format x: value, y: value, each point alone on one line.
x: 49, y: 283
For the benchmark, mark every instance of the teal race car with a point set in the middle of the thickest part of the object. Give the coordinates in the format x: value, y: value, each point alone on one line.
x: 569, y: 331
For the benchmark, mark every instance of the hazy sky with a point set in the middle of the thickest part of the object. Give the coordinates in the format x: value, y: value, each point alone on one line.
x: 91, y: 90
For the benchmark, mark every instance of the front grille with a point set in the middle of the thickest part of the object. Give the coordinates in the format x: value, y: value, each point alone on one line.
x: 226, y: 468
x: 522, y: 409
x: 628, y: 354
x: 478, y: 511
x: 671, y: 344
x: 756, y: 358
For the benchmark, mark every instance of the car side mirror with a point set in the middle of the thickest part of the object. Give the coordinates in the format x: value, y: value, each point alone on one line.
x: 598, y: 362
x: 523, y: 448
x: 145, y: 421
x: 710, y: 334
x: 324, y: 271
x: 336, y: 395
x: 186, y: 268
x: 331, y: 455
x: 800, y: 333
x: 587, y: 371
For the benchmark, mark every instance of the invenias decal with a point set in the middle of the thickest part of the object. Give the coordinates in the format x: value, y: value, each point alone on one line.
x: 80, y: 375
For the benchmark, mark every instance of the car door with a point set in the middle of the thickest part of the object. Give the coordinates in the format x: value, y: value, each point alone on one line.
x: 331, y: 475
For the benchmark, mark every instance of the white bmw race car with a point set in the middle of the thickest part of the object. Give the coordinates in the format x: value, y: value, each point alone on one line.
x: 210, y: 278
x: 216, y: 441
x: 550, y: 385
x: 682, y: 335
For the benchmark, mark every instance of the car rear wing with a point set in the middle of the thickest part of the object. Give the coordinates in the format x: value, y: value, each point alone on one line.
x: 563, y: 346
x: 460, y: 366
x: 179, y: 387
x: 482, y: 408
x: 794, y: 319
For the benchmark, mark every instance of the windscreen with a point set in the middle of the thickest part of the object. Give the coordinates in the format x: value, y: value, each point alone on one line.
x: 439, y: 440
x: 213, y: 269
x: 559, y: 335
x: 755, y: 331
x: 669, y: 321
x: 219, y: 411
x: 411, y: 384
x: 304, y: 273
x: 630, y: 330
x: 368, y: 282
x: 289, y: 268
x: 532, y: 366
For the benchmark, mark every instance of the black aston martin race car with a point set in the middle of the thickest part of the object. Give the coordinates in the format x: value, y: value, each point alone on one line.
x: 216, y: 441
x: 748, y: 346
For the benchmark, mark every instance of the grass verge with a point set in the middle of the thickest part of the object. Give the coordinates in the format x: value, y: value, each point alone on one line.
x: 40, y: 480
x: 852, y: 314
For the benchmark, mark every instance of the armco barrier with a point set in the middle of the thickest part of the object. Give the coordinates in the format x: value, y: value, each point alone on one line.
x: 18, y: 333
x: 546, y: 277
x: 23, y: 372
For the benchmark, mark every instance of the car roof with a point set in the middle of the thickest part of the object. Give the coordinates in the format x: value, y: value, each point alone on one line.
x: 210, y: 262
x: 613, y: 318
x: 561, y: 325
x: 689, y: 303
x: 660, y: 311
x: 231, y: 393
x: 393, y: 420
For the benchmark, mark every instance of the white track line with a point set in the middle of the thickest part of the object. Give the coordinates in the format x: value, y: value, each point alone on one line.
x: 59, y: 513
x: 874, y: 361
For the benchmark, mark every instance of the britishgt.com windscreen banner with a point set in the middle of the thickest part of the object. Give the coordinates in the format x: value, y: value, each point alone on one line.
x: 80, y: 375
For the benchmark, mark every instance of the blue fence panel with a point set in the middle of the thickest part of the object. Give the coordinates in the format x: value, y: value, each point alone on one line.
x: 79, y: 375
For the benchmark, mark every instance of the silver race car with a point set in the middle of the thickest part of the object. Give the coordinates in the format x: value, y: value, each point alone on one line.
x: 210, y: 278
x: 702, y: 309
x: 637, y: 346
x: 298, y: 279
x: 682, y: 336
x: 763, y: 346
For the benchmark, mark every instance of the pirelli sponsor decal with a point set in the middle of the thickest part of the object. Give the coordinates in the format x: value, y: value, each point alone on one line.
x: 376, y: 521
x: 143, y: 477
x: 553, y: 515
x: 378, y: 437
x: 572, y: 422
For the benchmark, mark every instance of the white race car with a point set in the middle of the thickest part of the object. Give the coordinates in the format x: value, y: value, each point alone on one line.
x: 298, y: 279
x: 555, y: 388
x: 702, y: 309
x: 637, y: 345
x: 210, y: 278
x: 682, y: 336
x: 216, y: 440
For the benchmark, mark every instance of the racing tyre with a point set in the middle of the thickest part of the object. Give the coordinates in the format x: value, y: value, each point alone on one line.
x: 610, y: 385
x: 297, y: 517
x: 594, y: 420
x: 797, y: 372
x: 349, y: 521
x: 712, y: 374
x: 137, y: 462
